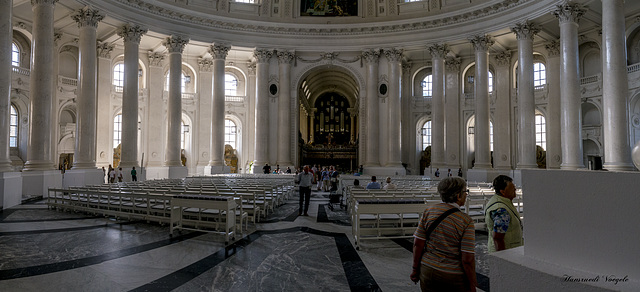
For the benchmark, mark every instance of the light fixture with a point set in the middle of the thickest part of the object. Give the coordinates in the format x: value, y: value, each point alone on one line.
x: 187, y: 79
x: 139, y: 72
x: 423, y: 132
x: 185, y: 128
x: 470, y: 79
x: 423, y: 84
x: 472, y: 130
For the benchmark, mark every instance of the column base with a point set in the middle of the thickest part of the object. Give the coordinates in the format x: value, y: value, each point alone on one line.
x: 618, y: 166
x: 37, y: 182
x: 38, y: 165
x: 216, y: 169
x: 384, y: 171
x: 164, y: 172
x: 178, y: 172
x: 10, y: 189
x: 82, y: 177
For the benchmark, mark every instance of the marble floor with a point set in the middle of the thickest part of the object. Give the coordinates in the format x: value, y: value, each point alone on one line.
x: 47, y: 250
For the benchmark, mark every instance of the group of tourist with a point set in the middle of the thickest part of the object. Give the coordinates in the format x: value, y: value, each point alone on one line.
x: 266, y: 169
x: 449, y: 173
x: 116, y: 174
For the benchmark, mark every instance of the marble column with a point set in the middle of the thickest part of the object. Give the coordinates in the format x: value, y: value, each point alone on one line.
x: 394, y: 60
x: 42, y: 78
x: 407, y: 147
x: 481, y: 45
x: 568, y: 15
x: 525, y: 31
x: 104, y: 120
x: 372, y: 157
x: 552, y: 120
x: 6, y: 33
x: 438, y: 53
x: 131, y: 35
x: 615, y: 87
x: 175, y: 45
x: 311, y: 125
x: 205, y: 107
x: 154, y: 159
x: 262, y: 109
x: 352, y: 126
x: 502, y: 137
x: 85, y: 150
x: 284, y: 109
x: 452, y: 113
x: 219, y: 54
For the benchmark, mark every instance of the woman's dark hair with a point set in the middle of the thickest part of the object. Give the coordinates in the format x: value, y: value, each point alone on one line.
x: 450, y: 187
x: 356, y: 182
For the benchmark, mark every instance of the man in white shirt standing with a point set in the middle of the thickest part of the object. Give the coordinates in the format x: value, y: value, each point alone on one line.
x: 304, y: 181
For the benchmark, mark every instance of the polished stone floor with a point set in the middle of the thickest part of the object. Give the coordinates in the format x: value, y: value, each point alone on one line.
x: 47, y: 250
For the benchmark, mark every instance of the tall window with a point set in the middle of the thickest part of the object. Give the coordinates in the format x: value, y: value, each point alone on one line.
x: 117, y: 130
x: 184, y: 131
x: 426, y: 135
x: 541, y: 132
x: 539, y: 74
x: 490, y: 136
x: 230, y: 85
x: 183, y: 82
x: 230, y: 133
x: 15, y: 55
x: 427, y: 86
x: 490, y: 81
x: 118, y: 77
x: 13, y: 128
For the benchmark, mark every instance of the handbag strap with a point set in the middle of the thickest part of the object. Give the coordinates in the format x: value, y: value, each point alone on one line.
x: 436, y: 223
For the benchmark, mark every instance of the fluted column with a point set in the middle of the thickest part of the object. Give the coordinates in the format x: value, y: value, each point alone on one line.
x: 615, y: 87
x: 219, y: 54
x: 41, y: 101
x: 438, y: 53
x: 284, y: 109
x: 552, y: 120
x: 6, y: 33
x: 372, y: 157
x: 394, y: 58
x: 568, y: 15
x: 175, y: 46
x: 525, y: 31
x: 262, y: 108
x: 85, y: 150
x: 131, y: 35
x: 481, y: 45
x: 502, y: 112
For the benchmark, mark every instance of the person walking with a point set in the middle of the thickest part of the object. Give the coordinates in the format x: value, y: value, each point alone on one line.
x: 304, y: 181
x: 134, y: 174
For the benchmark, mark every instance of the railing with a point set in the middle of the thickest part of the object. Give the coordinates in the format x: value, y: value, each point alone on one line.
x: 68, y: 81
x: 21, y: 71
x: 589, y: 79
x: 633, y: 68
x: 234, y: 98
x: 118, y: 89
x: 188, y: 95
x: 540, y: 88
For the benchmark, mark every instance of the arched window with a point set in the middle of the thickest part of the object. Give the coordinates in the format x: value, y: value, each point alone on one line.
x: 427, y: 86
x: 13, y: 128
x: 230, y: 133
x: 117, y: 130
x: 118, y: 77
x: 183, y: 82
x: 15, y: 55
x: 426, y: 135
x: 184, y: 132
x: 230, y: 85
x: 541, y: 132
x: 490, y: 81
x: 539, y: 74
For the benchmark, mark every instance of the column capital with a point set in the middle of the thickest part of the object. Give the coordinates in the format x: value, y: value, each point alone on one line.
x: 406, y: 67
x: 131, y: 33
x: 481, y: 43
x: 87, y: 17
x: 553, y: 48
x: 285, y: 57
x: 262, y: 55
x: 394, y: 54
x: 452, y: 64
x: 205, y: 64
x: 503, y: 58
x: 219, y: 51
x: 569, y: 12
x: 175, y: 43
x: 252, y: 68
x: 438, y: 51
x: 104, y: 50
x: 525, y: 29
x: 47, y: 2
x: 155, y: 59
x: 371, y: 56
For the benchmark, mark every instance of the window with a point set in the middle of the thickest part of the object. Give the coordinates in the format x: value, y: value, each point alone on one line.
x: 541, y: 132
x: 118, y: 77
x: 490, y: 81
x: 15, y: 55
x: 490, y: 136
x: 13, y: 128
x: 230, y: 133
x: 184, y: 132
x: 539, y: 75
x: 245, y: 1
x: 117, y: 130
x: 230, y: 85
x: 183, y: 82
x: 426, y: 135
x: 427, y: 86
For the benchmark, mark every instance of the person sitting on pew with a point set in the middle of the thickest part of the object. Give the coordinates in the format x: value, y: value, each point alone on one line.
x: 356, y: 184
x: 389, y: 185
x: 373, y: 185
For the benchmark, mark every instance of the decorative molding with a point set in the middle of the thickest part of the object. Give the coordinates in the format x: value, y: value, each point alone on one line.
x: 394, y: 54
x: 371, y: 56
x: 155, y: 59
x: 569, y: 12
x: 205, y: 64
x: 286, y: 57
x: 87, y: 17
x: 438, y: 51
x: 406, y: 67
x: 452, y: 64
x: 328, y: 57
x: 40, y: 2
x: 175, y: 44
x: 104, y: 50
x: 262, y: 55
x: 503, y: 58
x: 481, y: 43
x: 553, y: 48
x: 131, y: 33
x: 219, y: 51
x: 525, y: 30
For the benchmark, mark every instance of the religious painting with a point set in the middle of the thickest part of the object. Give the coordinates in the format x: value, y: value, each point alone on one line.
x: 329, y: 7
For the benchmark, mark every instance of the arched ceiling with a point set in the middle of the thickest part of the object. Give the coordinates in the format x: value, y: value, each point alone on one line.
x: 329, y: 79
